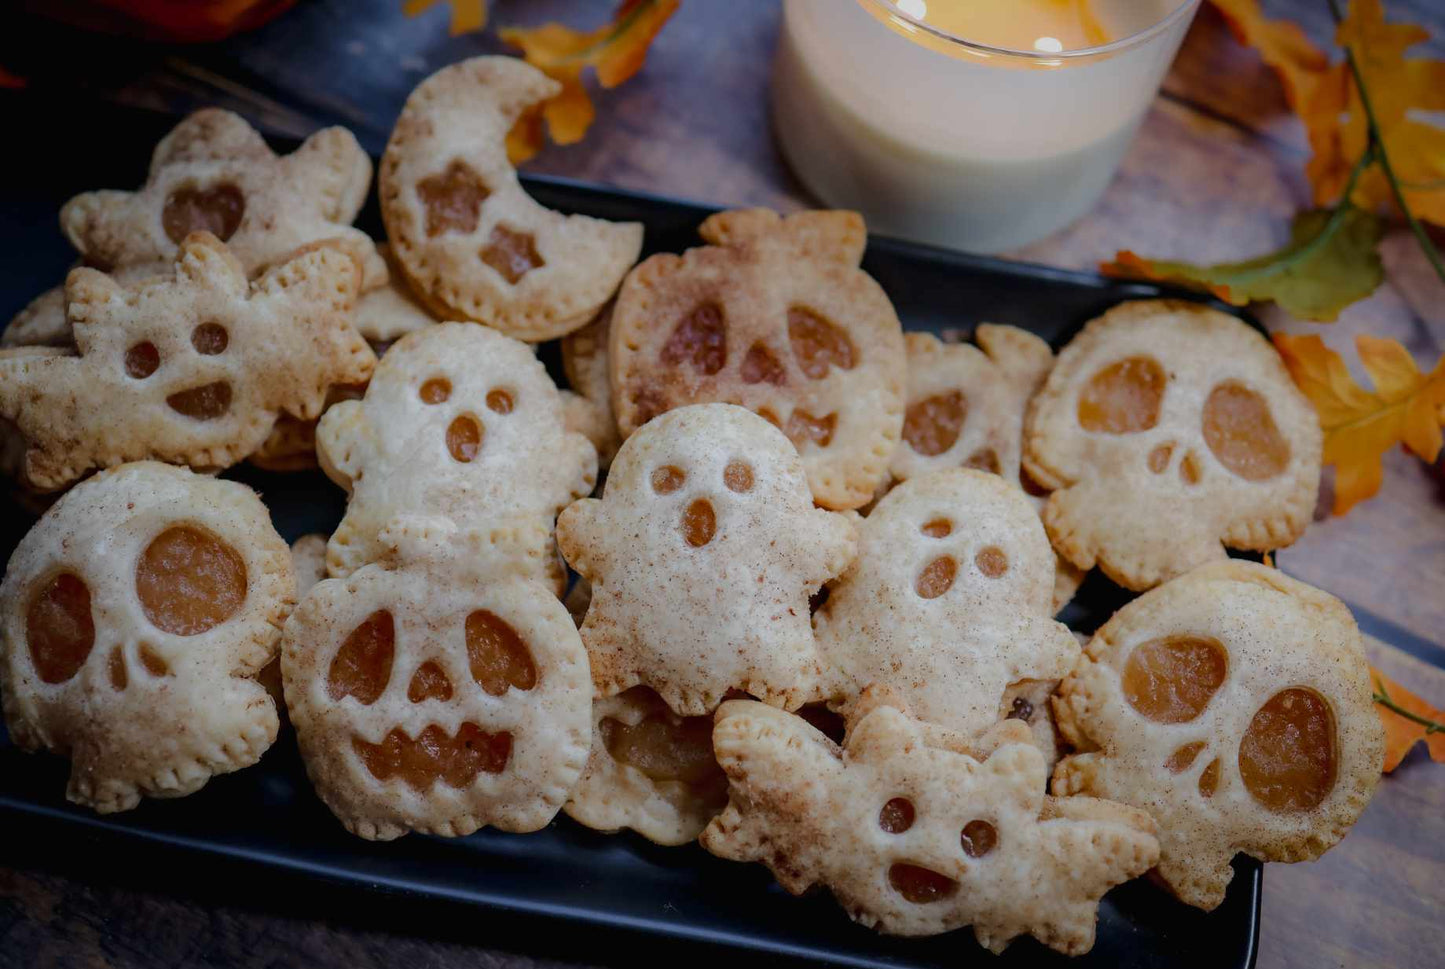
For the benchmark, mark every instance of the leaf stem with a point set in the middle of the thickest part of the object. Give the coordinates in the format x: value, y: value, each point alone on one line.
x: 1383, y: 699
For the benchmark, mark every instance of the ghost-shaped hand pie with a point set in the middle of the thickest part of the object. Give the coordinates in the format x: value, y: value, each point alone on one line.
x: 191, y: 368
x: 439, y: 690
x: 473, y: 243
x: 134, y: 618
x: 913, y: 835
x: 948, y: 602
x: 215, y: 173
x: 458, y: 422
x: 1234, y: 705
x: 774, y: 315
x: 702, y: 554
x: 1166, y: 431
x: 43, y: 322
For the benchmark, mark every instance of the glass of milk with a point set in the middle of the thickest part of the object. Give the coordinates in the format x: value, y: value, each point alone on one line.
x: 976, y: 124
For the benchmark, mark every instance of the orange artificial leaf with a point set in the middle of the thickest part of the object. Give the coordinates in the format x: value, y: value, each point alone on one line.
x: 1407, y: 720
x: 1406, y: 407
x: 1281, y: 44
x: 467, y: 15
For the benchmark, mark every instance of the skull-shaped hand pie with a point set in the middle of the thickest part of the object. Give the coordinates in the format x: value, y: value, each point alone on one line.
x: 916, y: 837
x: 775, y: 315
x: 702, y: 554
x: 436, y: 692
x: 474, y: 244
x: 650, y: 770
x: 191, y: 368
x: 1165, y: 429
x: 459, y: 422
x: 948, y: 602
x: 1232, y: 704
x: 584, y: 358
x: 136, y: 614
x: 214, y: 173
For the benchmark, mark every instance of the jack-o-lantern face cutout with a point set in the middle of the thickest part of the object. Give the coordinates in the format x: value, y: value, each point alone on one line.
x: 1167, y: 431
x: 1232, y: 704
x: 774, y: 315
x: 460, y: 422
x: 428, y: 696
x: 702, y: 554
x: 136, y: 615
x: 915, y: 835
x: 948, y: 602
x: 473, y: 243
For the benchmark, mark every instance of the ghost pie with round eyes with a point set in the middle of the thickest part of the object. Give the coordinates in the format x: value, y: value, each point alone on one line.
x: 474, y: 244
x: 776, y: 316
x: 1234, y: 705
x: 458, y: 422
x: 948, y: 602
x: 1167, y: 430
x: 650, y: 770
x: 134, y: 618
x: 431, y: 692
x: 702, y: 554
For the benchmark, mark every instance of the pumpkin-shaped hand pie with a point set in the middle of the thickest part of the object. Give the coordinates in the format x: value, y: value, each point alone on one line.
x: 774, y: 315
x: 1165, y: 429
x: 1232, y: 704
x: 435, y: 692
x: 214, y: 173
x: 134, y: 618
x: 191, y: 368
x: 473, y: 243
x: 702, y: 554
x: 914, y: 835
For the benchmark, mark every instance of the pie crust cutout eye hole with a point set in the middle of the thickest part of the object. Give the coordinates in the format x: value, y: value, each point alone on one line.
x: 1287, y: 757
x: 897, y: 815
x: 992, y: 561
x: 115, y: 669
x: 362, y: 666
x: 937, y: 528
x: 455, y: 760
x: 1171, y: 680
x: 664, y: 747
x: 699, y: 523
x: 1241, y: 433
x: 1180, y: 760
x: 210, y: 339
x: 978, y: 838
x: 1021, y: 709
x: 217, y: 210
x: 435, y: 391
x: 920, y: 885
x: 429, y: 682
x: 59, y: 628
x: 1189, y: 471
x: 984, y: 459
x: 936, y: 577
x: 204, y: 403
x: 931, y: 426
x: 761, y: 367
x: 464, y: 438
x: 699, y: 339
x: 804, y: 428
x: 1209, y: 779
x: 818, y: 344
x: 189, y: 582
x: 738, y: 476
x: 512, y: 254
x: 153, y: 662
x: 667, y: 479
x: 142, y: 360
x: 498, y: 658
x: 1123, y: 398
x: 452, y: 199
x: 500, y: 401
x: 1158, y: 459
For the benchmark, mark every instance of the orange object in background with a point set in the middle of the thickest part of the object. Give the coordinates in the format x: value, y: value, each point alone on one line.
x: 183, y: 21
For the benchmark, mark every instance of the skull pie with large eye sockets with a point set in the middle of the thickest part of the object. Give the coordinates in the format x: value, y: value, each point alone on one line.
x: 459, y: 422
x: 136, y: 615
x: 775, y: 315
x: 702, y: 554
x: 473, y: 243
x: 437, y: 691
x: 1234, y: 705
x: 191, y: 368
x: 650, y: 770
x: 914, y: 834
x: 948, y: 602
x: 1165, y: 429
x: 214, y: 173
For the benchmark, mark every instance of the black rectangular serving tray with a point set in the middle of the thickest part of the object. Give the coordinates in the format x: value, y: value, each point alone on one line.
x: 262, y: 834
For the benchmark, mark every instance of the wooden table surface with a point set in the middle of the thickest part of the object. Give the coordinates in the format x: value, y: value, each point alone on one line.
x: 1215, y: 174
